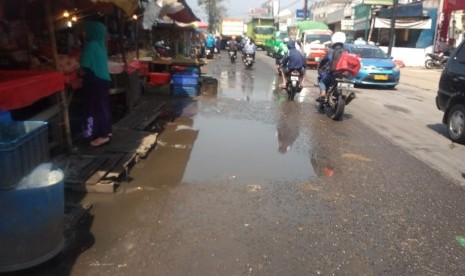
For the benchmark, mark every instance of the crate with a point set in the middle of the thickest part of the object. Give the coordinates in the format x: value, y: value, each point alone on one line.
x: 180, y: 70
x: 159, y: 78
x: 181, y: 79
x: 185, y: 90
x: 23, y: 146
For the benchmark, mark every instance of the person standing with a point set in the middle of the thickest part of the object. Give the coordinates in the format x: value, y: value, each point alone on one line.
x: 96, y: 85
x: 210, y: 43
x: 218, y: 45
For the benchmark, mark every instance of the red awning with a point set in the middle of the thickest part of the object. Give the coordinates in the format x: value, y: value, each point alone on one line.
x: 178, y: 10
x: 184, y: 14
x: 453, y: 5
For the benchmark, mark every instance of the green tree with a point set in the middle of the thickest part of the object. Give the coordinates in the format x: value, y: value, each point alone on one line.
x: 215, y: 10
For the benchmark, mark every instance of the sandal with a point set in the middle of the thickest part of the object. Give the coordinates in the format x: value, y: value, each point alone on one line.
x: 100, y: 141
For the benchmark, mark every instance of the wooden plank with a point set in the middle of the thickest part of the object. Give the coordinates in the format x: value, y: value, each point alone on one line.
x: 128, y: 140
x: 81, y: 174
x: 122, y: 166
x: 102, y: 187
x: 141, y: 117
x: 103, y: 170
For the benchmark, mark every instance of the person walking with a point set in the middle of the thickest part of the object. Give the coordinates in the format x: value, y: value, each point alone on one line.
x: 96, y: 85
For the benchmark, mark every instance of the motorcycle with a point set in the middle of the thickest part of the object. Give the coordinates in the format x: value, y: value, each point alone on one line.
x: 278, y: 60
x: 435, y: 61
x: 208, y: 53
x: 293, y: 84
x: 339, y: 95
x: 162, y: 50
x: 232, y: 56
x: 248, y: 61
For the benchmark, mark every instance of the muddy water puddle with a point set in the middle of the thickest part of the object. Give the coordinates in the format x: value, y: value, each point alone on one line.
x: 243, y: 150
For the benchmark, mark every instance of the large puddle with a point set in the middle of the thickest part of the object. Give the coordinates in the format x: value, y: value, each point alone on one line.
x: 245, y: 151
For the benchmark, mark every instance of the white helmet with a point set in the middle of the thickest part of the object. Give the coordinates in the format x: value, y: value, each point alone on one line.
x: 338, y: 37
x: 286, y: 39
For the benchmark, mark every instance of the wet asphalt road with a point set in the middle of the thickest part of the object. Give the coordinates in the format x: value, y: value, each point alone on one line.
x: 247, y: 183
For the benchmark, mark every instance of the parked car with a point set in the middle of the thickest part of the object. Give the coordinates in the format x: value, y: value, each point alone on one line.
x: 451, y: 94
x: 377, y: 67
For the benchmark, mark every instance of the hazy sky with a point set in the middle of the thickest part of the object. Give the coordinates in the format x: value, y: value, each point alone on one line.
x: 239, y: 8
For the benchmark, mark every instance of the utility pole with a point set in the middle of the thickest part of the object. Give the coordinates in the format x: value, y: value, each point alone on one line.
x: 305, y: 9
x: 392, y: 30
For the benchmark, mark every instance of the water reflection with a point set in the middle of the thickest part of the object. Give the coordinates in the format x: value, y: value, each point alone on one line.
x: 247, y: 84
x: 288, y: 124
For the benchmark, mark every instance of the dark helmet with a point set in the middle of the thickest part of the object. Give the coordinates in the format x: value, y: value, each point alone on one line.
x: 291, y: 44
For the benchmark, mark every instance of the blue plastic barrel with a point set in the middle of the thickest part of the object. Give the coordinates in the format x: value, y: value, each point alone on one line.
x: 31, y: 226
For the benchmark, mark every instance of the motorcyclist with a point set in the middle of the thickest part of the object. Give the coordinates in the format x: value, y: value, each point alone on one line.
x: 232, y: 44
x: 294, y: 60
x: 210, y: 43
x: 338, y: 39
x: 249, y: 49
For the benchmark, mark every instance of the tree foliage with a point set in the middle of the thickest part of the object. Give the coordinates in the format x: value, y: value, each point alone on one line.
x: 215, y: 10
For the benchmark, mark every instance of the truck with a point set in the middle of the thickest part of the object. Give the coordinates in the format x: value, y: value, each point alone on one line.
x: 315, y: 38
x: 231, y: 27
x: 260, y: 29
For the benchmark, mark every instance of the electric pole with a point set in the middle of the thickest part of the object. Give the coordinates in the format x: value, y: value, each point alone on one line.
x: 305, y: 9
x: 392, y: 30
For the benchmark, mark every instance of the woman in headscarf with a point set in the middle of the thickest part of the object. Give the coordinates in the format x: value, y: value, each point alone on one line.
x: 96, y: 85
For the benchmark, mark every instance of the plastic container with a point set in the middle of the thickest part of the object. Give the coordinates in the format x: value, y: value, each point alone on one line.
x: 159, y: 78
x: 185, y: 90
x: 180, y: 79
x: 31, y: 231
x: 186, y: 70
x: 23, y: 146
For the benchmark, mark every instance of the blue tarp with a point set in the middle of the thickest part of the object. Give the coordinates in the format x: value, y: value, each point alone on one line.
x: 426, y: 37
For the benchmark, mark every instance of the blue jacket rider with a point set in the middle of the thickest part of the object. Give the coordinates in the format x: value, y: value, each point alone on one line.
x: 294, y: 60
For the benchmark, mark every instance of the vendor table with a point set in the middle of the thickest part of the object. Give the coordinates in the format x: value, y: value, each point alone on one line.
x: 177, y: 62
x: 22, y: 88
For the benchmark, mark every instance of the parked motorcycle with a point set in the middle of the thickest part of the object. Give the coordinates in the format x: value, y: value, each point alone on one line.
x: 232, y: 56
x: 339, y: 95
x: 162, y: 50
x: 435, y: 61
x: 293, y: 84
x: 248, y: 61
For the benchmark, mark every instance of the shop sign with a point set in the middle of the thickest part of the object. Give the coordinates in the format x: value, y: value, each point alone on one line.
x: 299, y: 14
x: 347, y: 25
x: 378, y: 2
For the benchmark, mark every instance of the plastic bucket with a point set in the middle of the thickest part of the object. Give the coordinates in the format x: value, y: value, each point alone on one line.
x: 31, y: 228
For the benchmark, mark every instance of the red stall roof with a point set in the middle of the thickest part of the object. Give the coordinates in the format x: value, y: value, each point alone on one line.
x: 453, y: 5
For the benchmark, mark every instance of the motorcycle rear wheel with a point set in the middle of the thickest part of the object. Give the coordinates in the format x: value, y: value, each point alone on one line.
x: 335, y: 105
x: 429, y: 64
x: 291, y: 93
